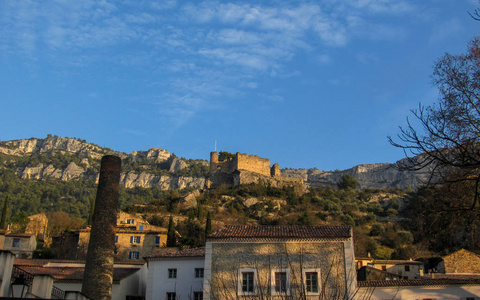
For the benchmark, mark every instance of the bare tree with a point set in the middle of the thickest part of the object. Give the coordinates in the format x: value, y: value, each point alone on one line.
x: 476, y: 14
x: 446, y: 135
x: 332, y: 282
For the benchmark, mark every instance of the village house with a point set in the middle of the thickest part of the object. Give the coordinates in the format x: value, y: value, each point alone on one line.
x: 403, y: 269
x: 57, y: 279
x: 280, y: 261
x: 175, y: 273
x: 135, y: 238
x: 20, y: 244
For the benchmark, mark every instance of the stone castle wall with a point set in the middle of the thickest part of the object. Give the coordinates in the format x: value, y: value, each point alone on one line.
x: 246, y: 169
x: 253, y: 163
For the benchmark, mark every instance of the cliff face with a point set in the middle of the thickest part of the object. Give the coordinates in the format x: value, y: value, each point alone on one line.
x: 382, y: 175
x: 86, y: 163
x: 75, y: 159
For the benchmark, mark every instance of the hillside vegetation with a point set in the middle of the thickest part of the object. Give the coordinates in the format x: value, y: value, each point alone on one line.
x: 388, y: 223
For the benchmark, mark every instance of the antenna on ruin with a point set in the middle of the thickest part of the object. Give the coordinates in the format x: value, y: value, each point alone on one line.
x: 215, y: 145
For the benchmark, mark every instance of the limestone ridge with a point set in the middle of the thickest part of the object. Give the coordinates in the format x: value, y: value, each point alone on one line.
x: 75, y: 159
x: 381, y: 175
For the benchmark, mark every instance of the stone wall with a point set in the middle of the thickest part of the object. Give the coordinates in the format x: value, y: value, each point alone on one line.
x: 296, y: 256
x: 253, y: 163
x: 247, y: 169
x: 460, y: 262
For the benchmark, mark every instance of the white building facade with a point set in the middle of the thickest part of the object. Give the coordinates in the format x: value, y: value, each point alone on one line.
x: 176, y: 274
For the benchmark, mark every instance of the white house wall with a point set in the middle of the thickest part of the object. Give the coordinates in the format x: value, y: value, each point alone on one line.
x: 184, y: 285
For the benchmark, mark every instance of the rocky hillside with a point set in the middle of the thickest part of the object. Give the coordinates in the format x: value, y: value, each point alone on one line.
x: 75, y: 159
x: 378, y: 176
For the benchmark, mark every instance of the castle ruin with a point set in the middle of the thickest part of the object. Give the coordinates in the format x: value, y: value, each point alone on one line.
x: 247, y: 169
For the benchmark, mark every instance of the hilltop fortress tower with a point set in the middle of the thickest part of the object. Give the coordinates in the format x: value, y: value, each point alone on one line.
x: 246, y: 169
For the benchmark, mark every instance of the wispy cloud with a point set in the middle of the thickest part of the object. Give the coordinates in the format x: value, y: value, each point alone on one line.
x: 210, y: 48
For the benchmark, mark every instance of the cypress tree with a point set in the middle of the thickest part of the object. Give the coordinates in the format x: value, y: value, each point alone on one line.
x: 208, y: 225
x: 3, y: 221
x: 92, y: 210
x: 171, y: 238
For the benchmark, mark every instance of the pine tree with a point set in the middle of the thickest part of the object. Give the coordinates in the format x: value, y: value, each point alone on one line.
x: 3, y: 221
x: 171, y: 238
x: 208, y: 225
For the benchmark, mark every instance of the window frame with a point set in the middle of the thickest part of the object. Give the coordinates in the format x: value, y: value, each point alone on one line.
x: 135, y: 239
x: 133, y: 255
x: 305, y: 285
x: 407, y: 268
x: 16, y: 243
x: 198, y: 295
x: 169, y: 296
x: 240, y: 290
x: 172, y: 273
x: 273, y: 285
x: 199, y: 272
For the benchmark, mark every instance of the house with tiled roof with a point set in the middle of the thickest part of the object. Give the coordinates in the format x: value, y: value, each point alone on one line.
x: 294, y: 262
x: 175, y: 273
x: 50, y: 279
x: 403, y: 269
x: 135, y: 238
x: 20, y: 244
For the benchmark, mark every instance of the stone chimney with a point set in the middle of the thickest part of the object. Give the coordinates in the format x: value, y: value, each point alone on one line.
x: 98, y: 275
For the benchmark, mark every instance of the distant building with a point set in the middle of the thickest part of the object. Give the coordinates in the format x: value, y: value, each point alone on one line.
x: 21, y: 245
x: 403, y: 269
x: 135, y: 238
x: 459, y: 262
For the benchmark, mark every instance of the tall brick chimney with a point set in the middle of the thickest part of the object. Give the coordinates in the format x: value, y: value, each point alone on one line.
x: 98, y: 276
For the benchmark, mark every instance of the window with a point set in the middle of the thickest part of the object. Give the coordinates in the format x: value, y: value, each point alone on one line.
x: 280, y: 282
x: 172, y: 273
x: 134, y: 255
x: 116, y: 239
x: 197, y: 295
x: 407, y: 268
x: 157, y: 240
x: 311, y: 281
x: 130, y: 221
x: 135, y: 239
x: 247, y: 281
x: 384, y: 268
x: 171, y: 296
x: 16, y: 243
x: 198, y: 272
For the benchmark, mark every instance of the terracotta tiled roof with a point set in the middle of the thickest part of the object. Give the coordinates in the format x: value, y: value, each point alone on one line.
x: 395, y: 262
x: 74, y: 274
x: 299, y: 232
x: 22, y: 235
x: 418, y: 282
x: 177, y: 253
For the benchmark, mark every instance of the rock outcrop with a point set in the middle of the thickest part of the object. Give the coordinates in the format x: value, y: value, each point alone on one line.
x: 157, y: 167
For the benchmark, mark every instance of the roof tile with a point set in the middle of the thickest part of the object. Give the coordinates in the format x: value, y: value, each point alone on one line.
x: 301, y: 232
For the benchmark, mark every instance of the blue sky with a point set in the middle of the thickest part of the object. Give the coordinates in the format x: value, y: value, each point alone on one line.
x: 304, y: 83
